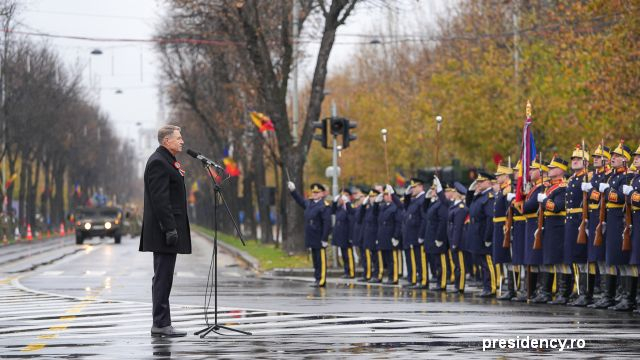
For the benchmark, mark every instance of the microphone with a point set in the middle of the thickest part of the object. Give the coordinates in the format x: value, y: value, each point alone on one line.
x: 204, y: 159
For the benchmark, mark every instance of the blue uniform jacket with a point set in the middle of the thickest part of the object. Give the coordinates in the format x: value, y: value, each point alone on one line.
x: 341, y: 235
x: 553, y: 230
x: 436, y: 228
x: 369, y: 219
x: 615, y: 218
x: 413, y: 222
x: 480, y: 229
x: 455, y: 224
x: 317, y: 221
x: 574, y: 252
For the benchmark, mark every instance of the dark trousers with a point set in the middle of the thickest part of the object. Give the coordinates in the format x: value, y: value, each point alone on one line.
x: 441, y: 264
x: 459, y: 268
x: 347, y: 260
x: 409, y: 256
x: 487, y: 270
x: 421, y: 265
x: 390, y: 260
x: 319, y: 257
x: 163, y: 266
x: 363, y: 262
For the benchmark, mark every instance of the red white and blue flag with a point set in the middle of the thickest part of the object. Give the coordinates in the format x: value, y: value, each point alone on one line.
x: 527, y: 156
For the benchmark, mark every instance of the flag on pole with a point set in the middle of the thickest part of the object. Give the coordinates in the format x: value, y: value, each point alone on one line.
x: 527, y: 156
x: 400, y: 179
x: 262, y: 121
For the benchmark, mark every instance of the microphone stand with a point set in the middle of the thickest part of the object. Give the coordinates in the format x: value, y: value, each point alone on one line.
x: 213, y: 266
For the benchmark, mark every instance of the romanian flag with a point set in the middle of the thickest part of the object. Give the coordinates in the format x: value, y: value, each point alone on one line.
x: 262, y: 121
x: 10, y: 181
x: 527, y: 156
x: 231, y: 167
x: 400, y: 179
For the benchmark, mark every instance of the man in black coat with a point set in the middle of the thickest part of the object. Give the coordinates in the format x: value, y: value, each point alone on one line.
x: 165, y: 226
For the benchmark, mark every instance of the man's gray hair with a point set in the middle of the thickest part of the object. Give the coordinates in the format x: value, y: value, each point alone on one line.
x: 165, y: 131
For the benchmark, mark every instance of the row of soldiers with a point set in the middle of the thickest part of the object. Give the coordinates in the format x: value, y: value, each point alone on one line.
x: 551, y: 255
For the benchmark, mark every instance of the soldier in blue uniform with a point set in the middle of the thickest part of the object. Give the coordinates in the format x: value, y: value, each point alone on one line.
x: 317, y: 225
x: 533, y: 257
x: 517, y: 243
x: 369, y: 218
x: 633, y: 193
x: 553, y: 203
x: 501, y: 255
x: 356, y: 232
x: 389, y: 228
x: 575, y: 254
x: 595, y: 254
x: 435, y: 236
x: 453, y: 199
x: 617, y: 260
x: 341, y: 236
x: 413, y: 226
x: 480, y: 200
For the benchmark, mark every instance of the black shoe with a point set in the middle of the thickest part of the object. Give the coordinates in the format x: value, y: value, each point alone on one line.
x: 542, y: 298
x: 363, y: 279
x: 559, y: 300
x: 604, y: 303
x: 623, y: 305
x: 315, y: 284
x: 408, y: 286
x: 581, y: 301
x: 345, y: 276
x: 420, y: 287
x: 486, y: 294
x: 438, y: 288
x: 375, y: 281
x: 453, y: 291
x: 508, y: 295
x: 520, y: 298
x: 167, y: 331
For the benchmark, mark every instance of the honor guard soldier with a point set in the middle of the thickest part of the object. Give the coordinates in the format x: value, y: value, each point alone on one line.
x: 356, y: 232
x: 389, y: 228
x: 457, y: 212
x: 519, y: 225
x: 341, y: 236
x: 369, y: 218
x: 480, y: 200
x: 532, y: 256
x: 575, y: 253
x: 435, y: 235
x: 595, y: 254
x: 413, y: 226
x: 633, y: 195
x: 617, y: 259
x: 501, y: 254
x: 553, y: 204
x: 613, y: 225
x: 317, y: 225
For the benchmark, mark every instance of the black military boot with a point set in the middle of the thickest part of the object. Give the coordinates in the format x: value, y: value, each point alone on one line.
x: 530, y: 282
x: 608, y: 293
x: 586, y: 285
x: 544, y: 293
x: 628, y: 300
x: 620, y: 289
x: 565, y: 285
x: 511, y: 288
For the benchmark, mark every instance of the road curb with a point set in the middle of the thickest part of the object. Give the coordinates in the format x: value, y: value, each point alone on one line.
x: 242, y: 255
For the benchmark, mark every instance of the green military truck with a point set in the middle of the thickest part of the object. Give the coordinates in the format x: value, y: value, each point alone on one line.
x: 98, y: 221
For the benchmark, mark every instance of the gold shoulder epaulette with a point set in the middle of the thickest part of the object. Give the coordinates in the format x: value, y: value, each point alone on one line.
x: 327, y: 203
x: 461, y: 206
x: 491, y: 195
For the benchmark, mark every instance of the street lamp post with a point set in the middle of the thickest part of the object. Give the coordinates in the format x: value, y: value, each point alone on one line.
x: 438, y: 123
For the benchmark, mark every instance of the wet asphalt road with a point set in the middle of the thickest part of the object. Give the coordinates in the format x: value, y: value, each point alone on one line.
x: 60, y: 300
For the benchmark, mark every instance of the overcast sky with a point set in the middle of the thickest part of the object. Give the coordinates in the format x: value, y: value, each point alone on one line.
x: 133, y: 68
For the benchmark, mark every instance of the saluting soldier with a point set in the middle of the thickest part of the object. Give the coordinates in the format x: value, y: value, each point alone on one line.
x: 616, y: 259
x: 480, y: 200
x: 575, y: 254
x: 389, y: 228
x: 413, y: 225
x: 595, y: 254
x: 633, y: 193
x: 341, y: 236
x: 436, y: 243
x: 533, y: 257
x: 453, y: 199
x: 369, y: 218
x: 317, y: 225
x: 356, y: 229
x: 502, y: 255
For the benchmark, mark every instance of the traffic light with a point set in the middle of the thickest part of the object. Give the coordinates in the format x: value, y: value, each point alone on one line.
x: 322, y: 137
x: 347, y: 136
x: 338, y: 126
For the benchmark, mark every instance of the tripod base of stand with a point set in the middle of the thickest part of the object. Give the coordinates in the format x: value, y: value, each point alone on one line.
x: 215, y: 328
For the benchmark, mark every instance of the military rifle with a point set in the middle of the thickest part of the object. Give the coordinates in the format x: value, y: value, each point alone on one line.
x: 582, y: 229
x: 626, y: 233
x: 597, y: 241
x: 537, y: 242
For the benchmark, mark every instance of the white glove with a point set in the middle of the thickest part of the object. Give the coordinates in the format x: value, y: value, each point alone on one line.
x: 335, y: 199
x: 511, y: 196
x: 627, y: 189
x: 389, y: 189
x: 395, y: 242
x: 586, y: 186
x: 472, y: 187
x: 429, y: 194
x: 408, y: 190
x: 487, y: 244
x: 291, y: 186
x: 542, y: 197
x: 439, y: 243
x: 603, y: 187
x: 345, y: 199
x: 325, y: 244
x: 420, y: 240
x: 604, y: 228
x: 378, y: 198
x: 366, y: 200
x: 437, y: 183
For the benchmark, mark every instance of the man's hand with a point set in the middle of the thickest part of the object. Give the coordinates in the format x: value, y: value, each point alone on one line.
x: 378, y: 198
x: 437, y: 184
x: 473, y: 185
x: 627, y: 189
x: 420, y: 240
x: 335, y: 199
x: 487, y: 243
x: 389, y: 189
x: 586, y: 186
x: 171, y: 237
x: 439, y: 243
x: 395, y: 242
x: 325, y: 244
x: 542, y: 197
x: 603, y: 187
x: 511, y: 196
x: 366, y: 200
x: 345, y: 199
x: 408, y: 190
x: 291, y: 186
